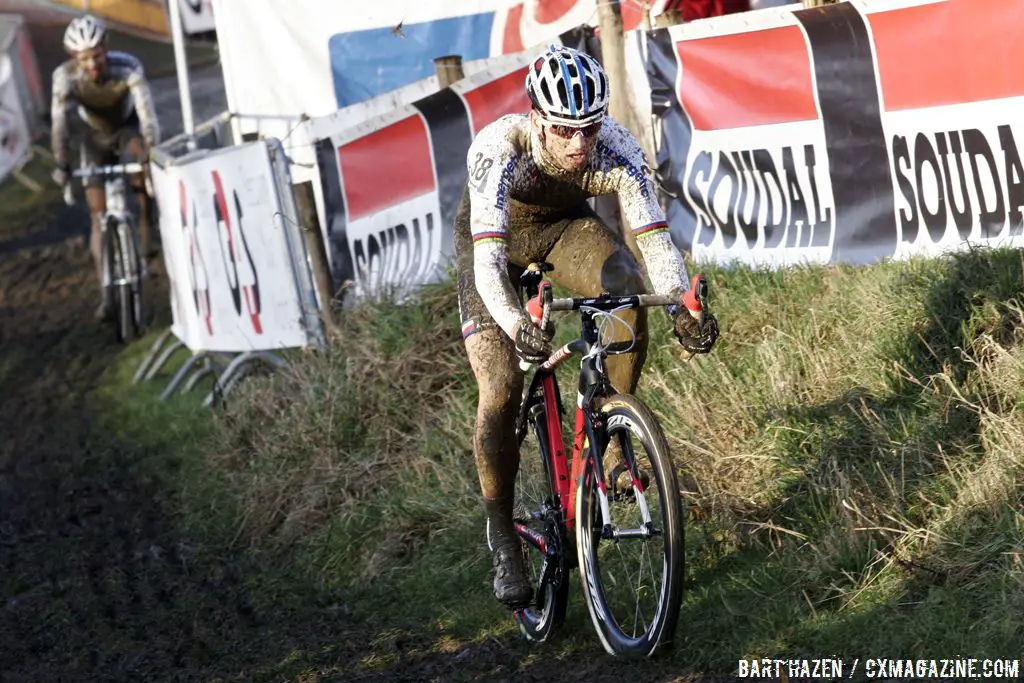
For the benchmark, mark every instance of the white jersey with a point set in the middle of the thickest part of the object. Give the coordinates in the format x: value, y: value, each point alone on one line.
x: 508, y: 173
x: 105, y: 106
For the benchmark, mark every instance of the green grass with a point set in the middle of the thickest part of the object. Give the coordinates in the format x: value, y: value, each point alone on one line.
x: 854, y: 437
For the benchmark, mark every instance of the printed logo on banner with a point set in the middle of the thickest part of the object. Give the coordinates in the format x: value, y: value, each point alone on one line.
x: 952, y: 123
x: 756, y: 176
x: 774, y: 199
x: 402, y: 254
x: 959, y: 177
x: 393, y: 212
x: 227, y: 251
x: 198, y: 277
x: 244, y: 282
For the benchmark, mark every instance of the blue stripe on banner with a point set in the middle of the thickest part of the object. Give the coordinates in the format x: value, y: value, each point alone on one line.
x: 368, y: 63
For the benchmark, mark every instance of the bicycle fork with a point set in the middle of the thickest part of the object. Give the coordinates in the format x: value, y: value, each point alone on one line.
x: 590, y: 425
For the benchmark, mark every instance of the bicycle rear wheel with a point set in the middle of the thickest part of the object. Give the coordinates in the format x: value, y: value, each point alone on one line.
x: 633, y: 569
x: 540, y: 520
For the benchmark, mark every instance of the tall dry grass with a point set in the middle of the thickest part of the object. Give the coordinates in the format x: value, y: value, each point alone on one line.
x: 852, y: 446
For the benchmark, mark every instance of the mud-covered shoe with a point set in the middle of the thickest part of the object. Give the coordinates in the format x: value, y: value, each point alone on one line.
x: 512, y: 586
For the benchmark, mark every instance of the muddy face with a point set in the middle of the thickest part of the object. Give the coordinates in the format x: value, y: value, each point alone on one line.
x: 93, y: 62
x: 567, y: 147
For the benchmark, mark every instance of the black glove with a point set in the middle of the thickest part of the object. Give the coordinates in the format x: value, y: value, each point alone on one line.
x: 695, y: 337
x: 533, y: 344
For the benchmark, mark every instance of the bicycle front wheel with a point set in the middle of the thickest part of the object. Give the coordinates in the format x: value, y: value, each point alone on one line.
x: 633, y: 566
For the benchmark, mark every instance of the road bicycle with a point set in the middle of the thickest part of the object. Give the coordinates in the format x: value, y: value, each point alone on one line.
x: 554, y: 496
x: 123, y: 268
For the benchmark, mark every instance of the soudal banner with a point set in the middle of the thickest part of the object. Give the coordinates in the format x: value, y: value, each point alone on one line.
x: 229, y: 264
x: 845, y: 133
x: 951, y: 118
x: 391, y: 187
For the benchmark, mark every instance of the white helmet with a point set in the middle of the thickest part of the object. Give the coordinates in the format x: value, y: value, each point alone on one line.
x: 568, y: 86
x: 84, y: 33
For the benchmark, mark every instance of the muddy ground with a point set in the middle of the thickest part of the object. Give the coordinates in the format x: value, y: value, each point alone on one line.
x: 95, y: 581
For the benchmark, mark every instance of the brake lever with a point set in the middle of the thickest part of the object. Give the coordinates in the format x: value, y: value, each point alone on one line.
x: 541, y: 301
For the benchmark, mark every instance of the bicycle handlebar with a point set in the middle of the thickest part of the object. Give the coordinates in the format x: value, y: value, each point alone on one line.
x: 113, y: 169
x: 610, y: 303
x: 131, y: 168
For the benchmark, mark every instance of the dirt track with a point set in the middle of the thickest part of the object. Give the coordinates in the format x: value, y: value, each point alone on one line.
x: 92, y: 581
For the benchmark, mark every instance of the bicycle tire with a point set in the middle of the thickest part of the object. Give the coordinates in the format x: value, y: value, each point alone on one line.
x: 110, y: 257
x: 124, y: 304
x: 551, y: 595
x: 133, y: 259
x: 626, y: 414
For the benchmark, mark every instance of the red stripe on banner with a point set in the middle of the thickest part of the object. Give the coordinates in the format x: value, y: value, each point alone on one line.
x: 551, y: 11
x: 949, y: 53
x: 512, y: 41
x: 747, y: 79
x: 490, y: 101
x: 386, y: 167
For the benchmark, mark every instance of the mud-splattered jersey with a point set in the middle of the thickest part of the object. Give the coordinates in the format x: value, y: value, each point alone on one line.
x: 509, y: 174
x: 105, y: 106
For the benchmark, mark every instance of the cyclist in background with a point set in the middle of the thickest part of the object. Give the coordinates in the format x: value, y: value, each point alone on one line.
x: 115, y: 104
x: 525, y: 201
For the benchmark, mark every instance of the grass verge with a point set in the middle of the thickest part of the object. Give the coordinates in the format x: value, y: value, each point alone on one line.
x: 854, y: 437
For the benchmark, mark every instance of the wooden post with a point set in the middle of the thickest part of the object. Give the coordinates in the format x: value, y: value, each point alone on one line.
x: 449, y: 70
x: 620, y: 108
x: 306, y: 206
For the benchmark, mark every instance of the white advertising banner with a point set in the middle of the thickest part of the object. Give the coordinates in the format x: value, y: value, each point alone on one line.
x: 197, y: 16
x: 14, y: 134
x: 391, y: 185
x: 859, y: 131
x: 232, y: 282
x: 285, y: 58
